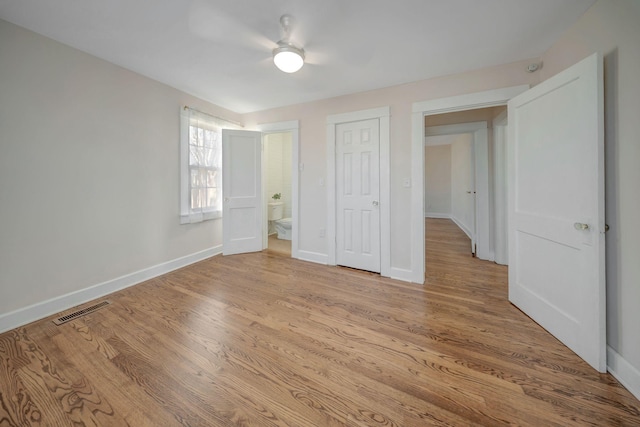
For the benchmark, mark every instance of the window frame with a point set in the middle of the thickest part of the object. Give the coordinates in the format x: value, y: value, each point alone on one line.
x: 188, y: 118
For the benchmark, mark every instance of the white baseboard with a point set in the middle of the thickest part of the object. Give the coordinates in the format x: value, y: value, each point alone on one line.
x: 401, y: 274
x: 623, y: 371
x: 316, y: 257
x: 43, y: 309
x: 461, y: 226
x: 437, y: 215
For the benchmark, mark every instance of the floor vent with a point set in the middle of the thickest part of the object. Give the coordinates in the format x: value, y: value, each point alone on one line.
x: 68, y: 317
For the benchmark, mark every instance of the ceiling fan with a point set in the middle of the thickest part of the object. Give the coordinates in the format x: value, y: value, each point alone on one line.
x: 287, y: 56
x: 221, y: 24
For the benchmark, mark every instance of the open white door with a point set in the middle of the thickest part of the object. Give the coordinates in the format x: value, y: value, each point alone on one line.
x: 556, y: 207
x: 473, y: 199
x: 481, y: 195
x: 242, y: 208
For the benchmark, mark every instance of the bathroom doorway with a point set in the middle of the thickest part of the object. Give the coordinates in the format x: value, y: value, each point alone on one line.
x: 278, y: 184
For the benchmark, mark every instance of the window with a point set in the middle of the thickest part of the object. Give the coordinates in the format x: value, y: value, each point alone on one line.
x: 201, y: 161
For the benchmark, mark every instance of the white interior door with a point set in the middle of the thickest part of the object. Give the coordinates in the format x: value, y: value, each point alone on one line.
x: 357, y: 195
x: 242, y: 208
x: 556, y: 206
x: 482, y: 226
x: 473, y: 200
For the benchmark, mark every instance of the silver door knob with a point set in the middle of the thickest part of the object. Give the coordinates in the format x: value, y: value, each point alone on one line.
x: 580, y: 226
x: 375, y: 203
x: 226, y: 199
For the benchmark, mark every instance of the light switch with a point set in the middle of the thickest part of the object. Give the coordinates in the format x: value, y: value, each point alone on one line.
x: 321, y: 182
x: 406, y: 183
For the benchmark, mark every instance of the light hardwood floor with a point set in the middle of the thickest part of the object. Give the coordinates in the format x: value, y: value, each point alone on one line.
x: 264, y: 340
x: 279, y: 245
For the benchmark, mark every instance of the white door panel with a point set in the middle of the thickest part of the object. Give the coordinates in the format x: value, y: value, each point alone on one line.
x: 357, y: 194
x: 242, y: 191
x: 556, y: 176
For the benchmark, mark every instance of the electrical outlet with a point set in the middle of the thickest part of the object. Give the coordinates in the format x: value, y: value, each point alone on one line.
x: 322, y: 232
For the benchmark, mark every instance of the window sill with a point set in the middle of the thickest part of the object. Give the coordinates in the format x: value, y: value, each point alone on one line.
x: 199, y: 217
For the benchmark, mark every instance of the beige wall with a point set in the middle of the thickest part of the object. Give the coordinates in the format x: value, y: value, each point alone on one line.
x: 612, y: 27
x: 88, y: 171
x: 437, y: 180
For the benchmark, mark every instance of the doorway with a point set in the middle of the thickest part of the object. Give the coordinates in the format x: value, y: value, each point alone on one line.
x: 449, y: 181
x: 473, y: 174
x: 381, y: 115
x: 281, y: 144
x: 420, y: 110
x: 278, y: 185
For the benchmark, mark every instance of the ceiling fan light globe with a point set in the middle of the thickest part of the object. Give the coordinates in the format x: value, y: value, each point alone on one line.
x: 288, y: 58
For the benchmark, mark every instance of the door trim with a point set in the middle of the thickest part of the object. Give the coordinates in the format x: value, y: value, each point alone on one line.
x: 292, y: 126
x: 382, y: 114
x: 500, y: 209
x: 490, y: 98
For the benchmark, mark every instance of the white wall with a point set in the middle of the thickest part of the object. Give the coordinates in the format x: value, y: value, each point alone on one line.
x: 89, y: 174
x: 462, y: 203
x: 612, y: 27
x: 438, y: 181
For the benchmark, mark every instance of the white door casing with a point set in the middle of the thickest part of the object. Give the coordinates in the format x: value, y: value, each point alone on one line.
x: 556, y: 207
x: 489, y: 98
x: 500, y: 188
x: 472, y: 195
x: 242, y: 190
x: 358, y: 195
x: 383, y: 115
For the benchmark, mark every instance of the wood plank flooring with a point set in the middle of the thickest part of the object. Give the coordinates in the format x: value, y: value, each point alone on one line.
x: 279, y: 245
x: 264, y: 340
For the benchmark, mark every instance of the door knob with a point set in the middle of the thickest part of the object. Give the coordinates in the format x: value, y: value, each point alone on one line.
x: 375, y: 203
x: 581, y: 226
x: 226, y: 199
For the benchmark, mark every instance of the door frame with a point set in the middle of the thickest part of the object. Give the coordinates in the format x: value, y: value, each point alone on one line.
x: 472, y: 101
x: 383, y: 115
x: 292, y: 126
x: 500, y: 141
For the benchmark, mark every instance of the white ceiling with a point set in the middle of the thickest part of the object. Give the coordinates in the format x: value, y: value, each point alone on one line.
x: 220, y: 50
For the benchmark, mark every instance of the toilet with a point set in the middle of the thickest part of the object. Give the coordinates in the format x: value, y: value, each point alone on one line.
x: 282, y: 225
